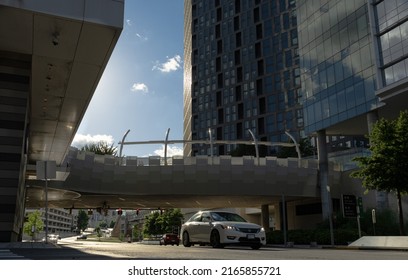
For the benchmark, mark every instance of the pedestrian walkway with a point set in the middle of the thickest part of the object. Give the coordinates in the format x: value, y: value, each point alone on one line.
x: 6, y: 254
x: 26, y: 245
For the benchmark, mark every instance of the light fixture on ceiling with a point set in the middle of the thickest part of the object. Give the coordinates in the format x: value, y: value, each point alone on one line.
x: 55, y: 38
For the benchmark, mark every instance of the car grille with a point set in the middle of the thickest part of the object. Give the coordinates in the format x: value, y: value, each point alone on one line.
x: 249, y: 230
x: 246, y: 240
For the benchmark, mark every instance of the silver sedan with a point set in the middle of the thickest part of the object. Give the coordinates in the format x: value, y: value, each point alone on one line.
x: 218, y: 229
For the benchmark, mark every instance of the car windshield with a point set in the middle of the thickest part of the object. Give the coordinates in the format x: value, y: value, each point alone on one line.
x: 223, y: 216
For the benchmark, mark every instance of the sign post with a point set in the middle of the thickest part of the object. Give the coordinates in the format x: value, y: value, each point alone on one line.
x: 374, y: 219
x: 351, y: 209
x: 46, y: 170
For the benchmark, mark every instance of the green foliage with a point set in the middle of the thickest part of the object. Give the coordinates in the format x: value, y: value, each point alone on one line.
x: 345, y: 229
x: 248, y: 150
x: 386, y: 223
x: 34, y: 224
x: 112, y: 224
x: 98, y: 233
x: 82, y: 221
x: 386, y: 168
x: 100, y: 148
x: 157, y: 223
x: 306, y: 149
x: 103, y: 224
x: 136, y: 233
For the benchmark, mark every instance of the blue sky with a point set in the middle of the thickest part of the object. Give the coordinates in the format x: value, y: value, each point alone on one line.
x: 142, y: 86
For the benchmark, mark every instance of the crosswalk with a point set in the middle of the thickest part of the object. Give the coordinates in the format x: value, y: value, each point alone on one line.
x: 6, y: 254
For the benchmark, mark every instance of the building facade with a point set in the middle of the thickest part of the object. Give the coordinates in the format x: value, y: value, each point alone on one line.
x: 353, y: 62
x: 324, y: 69
x: 60, y: 221
x: 50, y: 64
x: 241, y: 73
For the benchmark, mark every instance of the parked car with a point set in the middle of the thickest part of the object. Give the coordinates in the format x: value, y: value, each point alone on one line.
x: 170, y: 238
x: 219, y: 229
x: 52, y: 238
x: 82, y: 236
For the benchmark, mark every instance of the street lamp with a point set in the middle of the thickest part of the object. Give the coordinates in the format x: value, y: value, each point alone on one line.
x: 165, y: 146
x: 256, y: 145
x: 211, y: 142
x: 121, y: 145
x: 296, y: 144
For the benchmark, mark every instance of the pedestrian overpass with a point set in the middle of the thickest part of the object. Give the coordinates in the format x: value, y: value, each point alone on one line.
x: 91, y: 181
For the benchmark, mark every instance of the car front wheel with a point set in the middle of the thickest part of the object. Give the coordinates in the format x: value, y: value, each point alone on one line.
x: 186, y: 239
x: 215, y: 239
x: 256, y: 247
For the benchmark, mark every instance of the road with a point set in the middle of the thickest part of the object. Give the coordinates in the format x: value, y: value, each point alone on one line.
x: 95, y: 250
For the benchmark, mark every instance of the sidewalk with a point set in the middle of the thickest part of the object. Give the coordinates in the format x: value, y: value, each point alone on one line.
x: 28, y: 245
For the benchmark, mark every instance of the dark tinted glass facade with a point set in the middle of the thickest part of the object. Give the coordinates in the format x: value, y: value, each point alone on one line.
x: 241, y: 72
x: 337, y: 61
x: 392, y: 32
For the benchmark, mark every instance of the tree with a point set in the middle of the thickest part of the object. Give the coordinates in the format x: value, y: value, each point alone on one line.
x: 170, y: 220
x: 82, y: 221
x: 100, y: 148
x: 151, y: 226
x: 34, y: 224
x: 160, y: 223
x: 385, y: 169
x: 112, y: 224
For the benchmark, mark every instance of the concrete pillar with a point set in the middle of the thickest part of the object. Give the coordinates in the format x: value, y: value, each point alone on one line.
x: 323, y: 173
x: 323, y: 160
x: 372, y: 118
x: 276, y: 216
x: 265, y: 217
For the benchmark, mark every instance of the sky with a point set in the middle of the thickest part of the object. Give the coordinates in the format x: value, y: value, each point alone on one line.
x: 142, y: 86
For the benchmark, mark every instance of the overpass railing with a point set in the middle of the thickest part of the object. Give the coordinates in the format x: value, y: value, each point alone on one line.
x: 197, y: 160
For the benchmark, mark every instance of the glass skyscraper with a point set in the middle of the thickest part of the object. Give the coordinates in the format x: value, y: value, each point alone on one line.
x: 322, y: 68
x: 351, y: 53
x: 337, y: 61
x: 241, y: 72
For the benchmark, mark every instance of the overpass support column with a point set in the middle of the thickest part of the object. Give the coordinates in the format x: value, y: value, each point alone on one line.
x: 323, y: 160
x: 265, y: 217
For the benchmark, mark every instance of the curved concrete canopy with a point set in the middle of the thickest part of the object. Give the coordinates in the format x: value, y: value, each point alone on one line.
x: 68, y: 44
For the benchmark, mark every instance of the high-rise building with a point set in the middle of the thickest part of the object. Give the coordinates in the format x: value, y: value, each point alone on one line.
x: 354, y: 67
x: 322, y: 68
x: 241, y: 73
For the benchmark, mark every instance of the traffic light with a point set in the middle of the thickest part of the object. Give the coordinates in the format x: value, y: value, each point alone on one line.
x: 120, y: 211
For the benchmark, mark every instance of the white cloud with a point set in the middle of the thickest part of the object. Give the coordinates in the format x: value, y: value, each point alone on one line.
x: 81, y: 140
x: 172, y: 64
x: 129, y: 22
x: 141, y: 37
x: 140, y: 87
x: 171, y: 151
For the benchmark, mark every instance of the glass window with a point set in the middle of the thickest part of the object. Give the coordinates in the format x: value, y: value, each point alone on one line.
x: 333, y: 104
x: 350, y: 98
x: 341, y: 101
x: 359, y: 93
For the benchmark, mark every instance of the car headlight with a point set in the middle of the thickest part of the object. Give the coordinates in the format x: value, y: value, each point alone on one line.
x: 228, y: 227
x: 262, y: 229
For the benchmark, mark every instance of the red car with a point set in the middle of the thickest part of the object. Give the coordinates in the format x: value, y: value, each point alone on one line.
x: 169, y: 238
